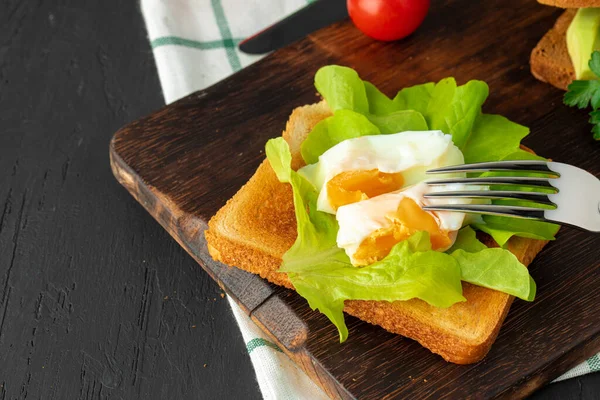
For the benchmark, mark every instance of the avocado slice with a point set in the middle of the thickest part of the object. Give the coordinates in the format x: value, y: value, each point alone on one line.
x: 583, y: 37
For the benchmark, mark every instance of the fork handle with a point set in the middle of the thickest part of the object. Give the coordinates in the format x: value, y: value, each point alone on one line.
x: 578, y: 198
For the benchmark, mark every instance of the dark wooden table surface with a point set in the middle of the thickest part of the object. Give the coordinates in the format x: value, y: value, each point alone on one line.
x: 96, y: 300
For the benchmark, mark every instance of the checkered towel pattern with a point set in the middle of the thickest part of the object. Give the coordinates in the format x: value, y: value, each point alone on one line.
x: 195, y: 45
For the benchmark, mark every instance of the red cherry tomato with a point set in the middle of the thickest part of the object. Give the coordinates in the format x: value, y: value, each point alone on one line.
x: 387, y: 19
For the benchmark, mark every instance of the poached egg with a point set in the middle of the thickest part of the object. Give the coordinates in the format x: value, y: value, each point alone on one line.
x: 375, y: 186
x: 369, y: 229
x: 368, y: 166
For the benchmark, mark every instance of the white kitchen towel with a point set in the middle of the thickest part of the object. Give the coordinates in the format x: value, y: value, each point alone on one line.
x: 195, y: 45
x: 195, y: 41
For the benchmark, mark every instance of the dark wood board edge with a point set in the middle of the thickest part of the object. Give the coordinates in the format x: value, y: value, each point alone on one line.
x: 176, y: 222
x: 274, y: 306
x: 529, y: 384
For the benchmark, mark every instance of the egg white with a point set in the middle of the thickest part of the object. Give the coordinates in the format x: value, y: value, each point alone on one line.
x: 412, y: 153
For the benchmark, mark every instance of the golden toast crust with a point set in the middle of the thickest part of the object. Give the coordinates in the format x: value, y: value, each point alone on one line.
x: 571, y: 3
x: 255, y: 228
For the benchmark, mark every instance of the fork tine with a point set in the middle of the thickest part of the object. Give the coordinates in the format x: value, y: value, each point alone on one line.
x: 512, y: 166
x: 523, y: 181
x: 507, y: 211
x: 537, y: 197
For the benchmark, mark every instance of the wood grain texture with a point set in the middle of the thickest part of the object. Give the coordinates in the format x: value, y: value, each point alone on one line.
x: 184, y: 161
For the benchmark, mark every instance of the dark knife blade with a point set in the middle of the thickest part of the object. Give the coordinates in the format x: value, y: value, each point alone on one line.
x: 309, y: 19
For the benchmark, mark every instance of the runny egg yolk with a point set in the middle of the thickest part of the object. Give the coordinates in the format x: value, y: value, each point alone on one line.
x: 408, y: 219
x: 353, y: 186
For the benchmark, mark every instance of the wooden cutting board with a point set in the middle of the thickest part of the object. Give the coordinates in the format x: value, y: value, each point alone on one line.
x: 186, y: 160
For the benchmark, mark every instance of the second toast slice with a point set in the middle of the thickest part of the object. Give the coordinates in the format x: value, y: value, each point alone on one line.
x: 550, y: 61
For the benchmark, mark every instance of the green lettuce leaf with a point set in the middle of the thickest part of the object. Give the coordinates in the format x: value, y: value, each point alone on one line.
x: 456, y: 110
x: 415, y: 97
x: 445, y: 106
x: 439, y: 106
x: 493, y: 268
x: 379, y: 103
x: 323, y: 275
x: 521, y: 154
x: 494, y: 138
x: 501, y: 229
x: 344, y: 124
x: 466, y: 108
x: 348, y: 124
x: 453, y: 109
x: 411, y: 270
x: 316, y: 230
x: 342, y: 88
x: 399, y: 121
x: 467, y: 240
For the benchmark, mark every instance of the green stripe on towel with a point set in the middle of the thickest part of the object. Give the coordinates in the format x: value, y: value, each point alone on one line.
x: 232, y: 56
x: 258, y: 342
x: 594, y: 363
x: 179, y: 41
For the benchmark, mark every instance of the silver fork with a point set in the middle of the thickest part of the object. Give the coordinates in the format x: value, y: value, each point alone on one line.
x: 574, y: 197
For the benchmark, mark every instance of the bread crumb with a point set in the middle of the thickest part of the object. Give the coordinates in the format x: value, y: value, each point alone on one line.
x: 425, y: 380
x: 204, y: 365
x: 193, y: 326
x: 166, y: 298
x: 353, y: 379
x: 222, y: 295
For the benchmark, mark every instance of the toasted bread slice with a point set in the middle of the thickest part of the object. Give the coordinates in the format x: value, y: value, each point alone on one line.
x: 255, y: 228
x: 550, y: 61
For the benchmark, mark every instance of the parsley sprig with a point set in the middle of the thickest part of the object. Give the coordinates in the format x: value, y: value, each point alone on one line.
x: 581, y: 94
